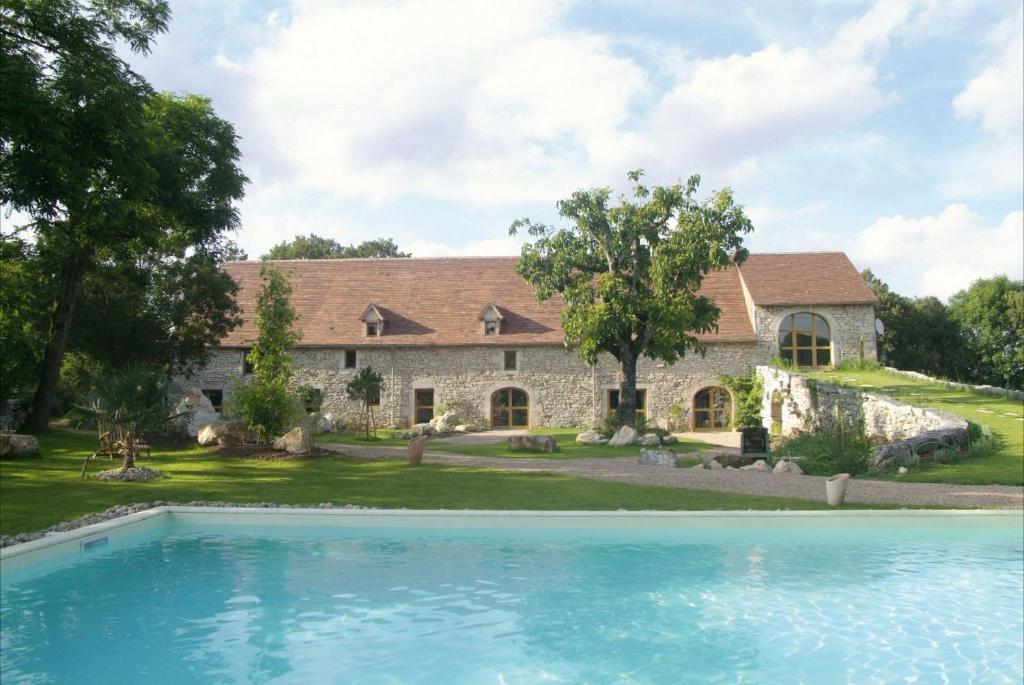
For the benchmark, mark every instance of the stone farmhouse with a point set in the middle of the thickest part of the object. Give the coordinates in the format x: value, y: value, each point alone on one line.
x: 470, y: 332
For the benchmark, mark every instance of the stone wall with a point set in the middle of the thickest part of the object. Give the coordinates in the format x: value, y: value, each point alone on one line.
x: 563, y: 390
x: 801, y: 404
x: 849, y: 324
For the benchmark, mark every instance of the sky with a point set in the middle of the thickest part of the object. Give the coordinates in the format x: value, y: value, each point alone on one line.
x: 892, y: 131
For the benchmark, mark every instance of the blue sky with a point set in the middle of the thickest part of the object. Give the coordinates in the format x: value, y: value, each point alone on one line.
x: 892, y: 131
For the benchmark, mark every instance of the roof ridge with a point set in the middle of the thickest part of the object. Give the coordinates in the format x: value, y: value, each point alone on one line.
x: 374, y: 259
x: 763, y: 254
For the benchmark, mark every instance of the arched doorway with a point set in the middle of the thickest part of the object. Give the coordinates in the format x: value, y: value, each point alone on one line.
x: 712, y: 410
x: 510, y: 408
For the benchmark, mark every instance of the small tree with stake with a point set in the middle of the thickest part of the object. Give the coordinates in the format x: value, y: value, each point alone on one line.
x: 630, y: 274
x: 365, y: 389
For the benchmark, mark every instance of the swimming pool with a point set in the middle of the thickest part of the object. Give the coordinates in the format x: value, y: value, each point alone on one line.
x: 195, y: 596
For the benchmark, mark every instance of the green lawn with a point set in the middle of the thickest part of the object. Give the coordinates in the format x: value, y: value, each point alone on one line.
x: 1004, y: 467
x: 567, y: 445
x: 36, y: 493
x: 385, y: 437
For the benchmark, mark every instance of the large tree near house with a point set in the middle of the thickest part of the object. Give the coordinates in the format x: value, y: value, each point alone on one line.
x: 630, y: 273
x: 107, y: 170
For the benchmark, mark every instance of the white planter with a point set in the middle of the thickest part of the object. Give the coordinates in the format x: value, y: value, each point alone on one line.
x: 835, y: 488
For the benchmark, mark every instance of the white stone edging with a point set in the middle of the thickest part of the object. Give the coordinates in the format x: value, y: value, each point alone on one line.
x: 984, y: 389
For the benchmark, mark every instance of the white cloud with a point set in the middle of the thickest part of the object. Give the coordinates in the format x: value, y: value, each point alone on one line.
x: 995, y: 97
x: 462, y: 100
x: 940, y: 255
x: 500, y: 103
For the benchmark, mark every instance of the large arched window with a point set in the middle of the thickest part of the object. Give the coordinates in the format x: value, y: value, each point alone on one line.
x: 805, y: 340
x: 510, y: 408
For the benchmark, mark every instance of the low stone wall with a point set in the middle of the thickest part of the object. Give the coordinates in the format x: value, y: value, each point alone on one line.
x: 984, y: 389
x: 797, y: 404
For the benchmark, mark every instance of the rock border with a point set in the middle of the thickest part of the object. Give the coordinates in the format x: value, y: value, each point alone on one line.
x: 1005, y: 393
x: 119, y: 510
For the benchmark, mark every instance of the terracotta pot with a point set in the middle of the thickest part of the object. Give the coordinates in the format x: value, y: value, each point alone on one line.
x: 415, y: 450
x: 835, y: 488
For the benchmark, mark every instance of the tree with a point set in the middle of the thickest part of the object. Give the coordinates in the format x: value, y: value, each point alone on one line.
x: 365, y: 388
x: 275, y: 318
x: 920, y: 334
x: 991, y: 313
x: 630, y: 274
x: 233, y: 252
x: 265, y: 401
x: 21, y: 326
x: 108, y: 171
x: 168, y: 311
x: 315, y: 247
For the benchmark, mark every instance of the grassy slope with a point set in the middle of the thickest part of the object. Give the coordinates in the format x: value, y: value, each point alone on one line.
x: 36, y: 493
x: 1005, y: 467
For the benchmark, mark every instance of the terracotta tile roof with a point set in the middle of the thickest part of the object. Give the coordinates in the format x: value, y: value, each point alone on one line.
x: 435, y: 302
x: 804, y: 278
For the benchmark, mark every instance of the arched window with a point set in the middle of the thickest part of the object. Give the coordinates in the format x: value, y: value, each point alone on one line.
x: 712, y: 410
x: 805, y: 340
x: 510, y: 408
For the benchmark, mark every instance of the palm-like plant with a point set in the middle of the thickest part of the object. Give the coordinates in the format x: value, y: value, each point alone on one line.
x: 125, y: 403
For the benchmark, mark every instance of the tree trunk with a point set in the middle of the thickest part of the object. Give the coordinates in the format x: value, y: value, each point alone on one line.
x: 128, y: 443
x: 60, y: 327
x: 625, y: 415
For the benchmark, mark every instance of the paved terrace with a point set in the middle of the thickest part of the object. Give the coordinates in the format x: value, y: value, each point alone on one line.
x: 627, y: 470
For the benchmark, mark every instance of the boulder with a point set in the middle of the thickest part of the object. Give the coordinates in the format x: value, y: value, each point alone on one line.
x: 658, y: 458
x: 626, y: 435
x: 669, y: 440
x: 193, y: 411
x: 16, y: 444
x: 714, y: 465
x: 223, y: 433
x: 759, y: 465
x: 421, y: 429
x: 445, y: 423
x: 591, y: 437
x: 786, y: 466
x: 699, y: 466
x: 532, y: 443
x: 296, y: 441
x: 650, y: 440
x: 902, y: 451
x: 330, y: 423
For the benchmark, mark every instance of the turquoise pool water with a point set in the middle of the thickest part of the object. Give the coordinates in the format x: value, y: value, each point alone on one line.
x: 189, y: 603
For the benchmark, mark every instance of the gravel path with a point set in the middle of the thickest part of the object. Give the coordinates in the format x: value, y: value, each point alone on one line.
x: 627, y: 470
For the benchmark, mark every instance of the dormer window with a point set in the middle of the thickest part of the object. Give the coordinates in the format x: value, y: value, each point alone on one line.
x: 373, y: 320
x: 491, y: 318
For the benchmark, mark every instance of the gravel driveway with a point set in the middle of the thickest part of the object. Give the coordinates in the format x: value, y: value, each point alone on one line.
x: 627, y: 470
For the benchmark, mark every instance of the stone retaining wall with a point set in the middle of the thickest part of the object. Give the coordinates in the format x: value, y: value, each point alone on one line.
x: 799, y: 404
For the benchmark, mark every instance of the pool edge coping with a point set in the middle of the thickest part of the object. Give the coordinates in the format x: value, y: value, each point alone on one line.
x: 52, y: 539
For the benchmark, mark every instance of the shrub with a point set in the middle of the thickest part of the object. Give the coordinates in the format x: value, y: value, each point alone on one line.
x: 268, y: 406
x: 859, y: 365
x: 746, y: 390
x: 842, y: 449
